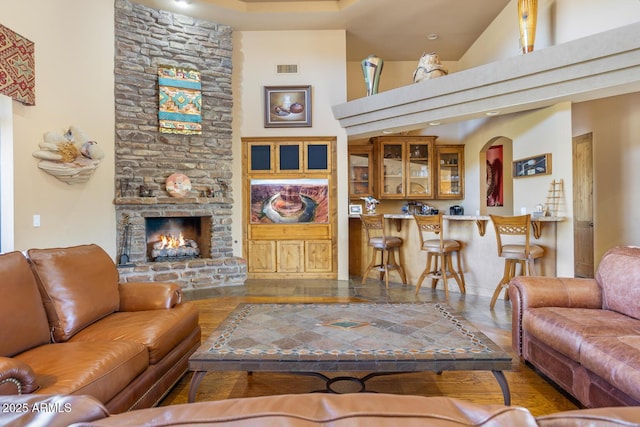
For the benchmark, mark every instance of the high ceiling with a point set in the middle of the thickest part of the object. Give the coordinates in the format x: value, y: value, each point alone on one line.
x: 395, y: 30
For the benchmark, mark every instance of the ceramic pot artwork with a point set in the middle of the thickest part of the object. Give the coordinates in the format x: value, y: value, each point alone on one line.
x: 429, y: 67
x: 527, y: 20
x: 372, y: 68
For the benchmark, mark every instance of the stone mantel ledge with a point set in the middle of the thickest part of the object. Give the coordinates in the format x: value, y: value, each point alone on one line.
x: 152, y: 201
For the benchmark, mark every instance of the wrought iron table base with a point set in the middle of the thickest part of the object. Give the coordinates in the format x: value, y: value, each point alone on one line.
x: 198, y: 376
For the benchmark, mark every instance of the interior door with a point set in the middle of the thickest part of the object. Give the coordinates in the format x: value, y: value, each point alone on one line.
x: 583, y: 205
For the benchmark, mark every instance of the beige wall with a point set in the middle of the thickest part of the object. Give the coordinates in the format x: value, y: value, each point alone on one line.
x: 74, y: 86
x: 616, y: 152
x: 559, y: 21
x: 320, y: 59
x: 546, y: 130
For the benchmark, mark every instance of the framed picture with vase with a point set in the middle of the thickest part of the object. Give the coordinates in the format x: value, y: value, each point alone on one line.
x: 287, y: 106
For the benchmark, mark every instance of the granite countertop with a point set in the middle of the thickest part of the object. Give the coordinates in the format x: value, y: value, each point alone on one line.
x: 451, y: 217
x: 467, y: 217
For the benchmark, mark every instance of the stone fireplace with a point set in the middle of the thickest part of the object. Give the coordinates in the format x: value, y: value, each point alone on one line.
x: 146, y: 38
x: 201, y: 218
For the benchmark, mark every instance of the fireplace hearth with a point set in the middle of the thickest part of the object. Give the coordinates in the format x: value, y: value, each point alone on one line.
x: 200, y: 222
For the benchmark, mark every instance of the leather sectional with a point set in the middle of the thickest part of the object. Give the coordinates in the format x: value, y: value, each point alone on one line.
x: 69, y: 327
x: 308, y: 410
x: 584, y: 334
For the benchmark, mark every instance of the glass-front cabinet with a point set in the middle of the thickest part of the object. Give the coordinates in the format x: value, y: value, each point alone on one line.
x: 419, y: 176
x: 391, y: 172
x: 450, y: 172
x: 361, y: 171
x: 405, y: 167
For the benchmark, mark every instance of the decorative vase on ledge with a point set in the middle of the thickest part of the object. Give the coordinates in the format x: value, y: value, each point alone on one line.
x: 527, y: 20
x: 372, y: 68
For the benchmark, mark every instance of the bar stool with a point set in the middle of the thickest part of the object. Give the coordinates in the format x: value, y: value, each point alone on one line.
x: 438, y: 250
x: 385, y: 244
x: 522, y: 253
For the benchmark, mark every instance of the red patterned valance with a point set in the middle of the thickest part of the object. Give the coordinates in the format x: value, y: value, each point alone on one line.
x: 17, y: 67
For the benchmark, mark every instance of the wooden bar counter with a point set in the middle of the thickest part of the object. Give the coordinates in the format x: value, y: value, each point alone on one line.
x: 480, y: 262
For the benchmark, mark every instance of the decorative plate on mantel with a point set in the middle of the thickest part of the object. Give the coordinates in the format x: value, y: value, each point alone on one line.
x: 178, y: 185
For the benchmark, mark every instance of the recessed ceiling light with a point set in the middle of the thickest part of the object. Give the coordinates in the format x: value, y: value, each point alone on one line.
x: 434, y: 123
x: 387, y: 132
x: 492, y: 113
x: 432, y: 36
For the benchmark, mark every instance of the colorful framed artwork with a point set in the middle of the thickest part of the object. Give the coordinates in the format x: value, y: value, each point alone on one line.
x: 287, y: 106
x: 531, y: 166
x: 17, y: 67
x: 180, y: 100
x: 289, y: 201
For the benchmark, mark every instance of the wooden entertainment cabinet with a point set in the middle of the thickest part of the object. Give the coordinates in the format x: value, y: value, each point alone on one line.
x: 290, y: 214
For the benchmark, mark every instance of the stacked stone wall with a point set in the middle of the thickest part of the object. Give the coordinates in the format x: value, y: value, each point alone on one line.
x: 146, y: 38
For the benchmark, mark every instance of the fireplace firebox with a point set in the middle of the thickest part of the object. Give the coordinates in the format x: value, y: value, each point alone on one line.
x: 177, y: 238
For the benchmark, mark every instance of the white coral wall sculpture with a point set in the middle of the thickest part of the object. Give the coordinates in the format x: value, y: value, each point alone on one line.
x: 71, y: 157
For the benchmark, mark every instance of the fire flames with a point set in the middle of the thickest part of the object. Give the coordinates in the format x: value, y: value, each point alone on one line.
x: 169, y: 241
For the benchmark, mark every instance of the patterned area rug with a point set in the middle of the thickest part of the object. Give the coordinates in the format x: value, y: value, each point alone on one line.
x: 336, y: 334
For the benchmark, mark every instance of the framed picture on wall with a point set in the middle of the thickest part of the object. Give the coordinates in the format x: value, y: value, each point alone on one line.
x: 531, y: 166
x: 287, y: 106
x: 355, y: 209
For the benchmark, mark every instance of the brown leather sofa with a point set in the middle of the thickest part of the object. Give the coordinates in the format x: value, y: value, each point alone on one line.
x: 584, y: 334
x: 69, y: 327
x: 307, y: 410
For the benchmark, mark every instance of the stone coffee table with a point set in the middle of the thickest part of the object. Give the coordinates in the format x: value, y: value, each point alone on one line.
x: 381, y: 339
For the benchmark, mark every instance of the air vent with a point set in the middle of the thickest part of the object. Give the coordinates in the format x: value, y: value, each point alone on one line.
x: 287, y: 68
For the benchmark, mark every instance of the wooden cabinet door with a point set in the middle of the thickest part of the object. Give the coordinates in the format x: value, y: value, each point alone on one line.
x: 262, y: 256
x: 260, y: 157
x: 318, y: 256
x: 392, y: 155
x: 289, y: 157
x: 290, y: 256
x: 317, y: 156
x: 419, y: 170
x: 405, y: 167
x: 361, y: 171
x: 450, y: 172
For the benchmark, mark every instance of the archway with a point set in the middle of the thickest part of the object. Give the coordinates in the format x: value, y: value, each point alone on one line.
x: 496, y: 181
